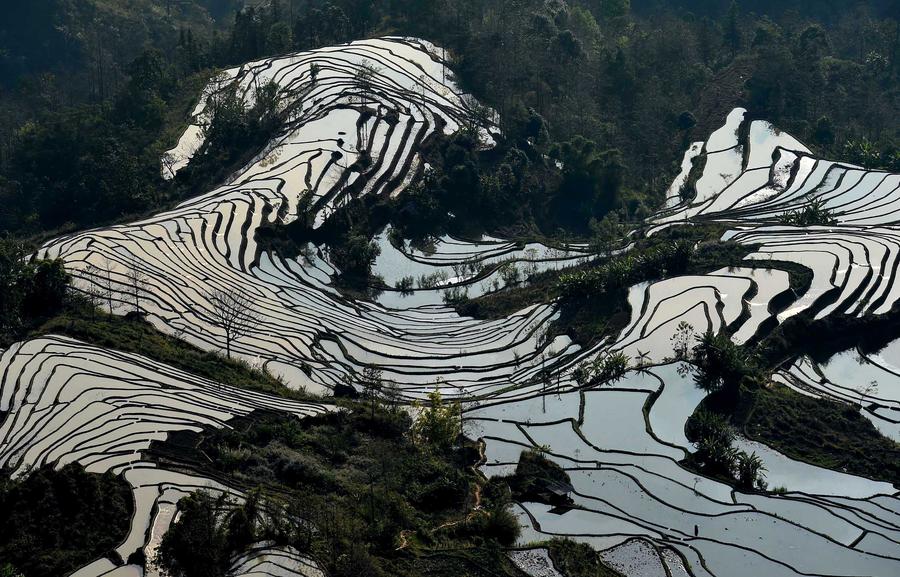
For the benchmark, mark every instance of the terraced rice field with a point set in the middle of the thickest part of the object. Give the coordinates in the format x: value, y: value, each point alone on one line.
x: 474, y: 268
x: 311, y: 335
x: 870, y: 380
x: 69, y: 401
x: 72, y: 402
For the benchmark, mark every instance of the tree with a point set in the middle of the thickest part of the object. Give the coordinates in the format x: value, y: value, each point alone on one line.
x: 439, y: 422
x: 611, y: 9
x: 278, y: 40
x: 233, y: 312
x: 371, y: 384
x: 592, y: 179
x: 608, y: 369
x: 242, y: 523
x: 862, y: 152
x: 55, y: 521
x: 105, y: 282
x: 28, y: 290
x: 49, y: 284
x: 568, y: 45
x: 196, y: 545
x: 355, y: 257
x: 150, y: 73
x: 612, y: 368
x: 749, y: 471
x: 584, y: 25
x: 92, y: 289
x: 392, y: 394
x: 714, y: 437
x: 15, y: 275
x: 813, y: 42
x: 137, y: 282
x: 767, y: 33
x: 682, y: 339
x: 365, y: 77
x: 686, y: 120
x: 719, y: 362
x: 823, y: 134
x: 707, y: 40
x: 606, y: 233
x: 733, y: 36
x: 814, y: 213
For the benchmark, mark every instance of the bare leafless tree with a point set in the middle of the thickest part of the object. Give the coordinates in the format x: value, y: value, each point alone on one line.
x: 232, y: 311
x: 169, y: 162
x: 137, y: 282
x: 92, y: 288
x: 105, y: 282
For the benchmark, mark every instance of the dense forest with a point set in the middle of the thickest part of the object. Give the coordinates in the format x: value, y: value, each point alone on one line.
x: 55, y: 521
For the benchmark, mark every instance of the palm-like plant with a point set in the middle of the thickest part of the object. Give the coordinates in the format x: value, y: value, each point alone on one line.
x: 749, y: 470
x: 719, y: 362
x: 608, y: 369
x: 714, y: 435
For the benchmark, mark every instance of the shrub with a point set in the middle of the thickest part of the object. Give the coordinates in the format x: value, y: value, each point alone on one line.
x: 355, y: 256
x: 608, y: 369
x: 357, y: 562
x: 197, y: 544
x: 812, y: 214
x: 669, y: 258
x: 455, y: 296
x: 749, y: 471
x: 7, y: 570
x: 510, y: 274
x: 714, y: 437
x: 719, y: 362
x: 716, y: 455
x: 405, y: 285
x: 502, y: 526
x: 439, y: 423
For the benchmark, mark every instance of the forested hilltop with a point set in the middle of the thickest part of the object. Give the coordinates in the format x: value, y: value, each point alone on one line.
x: 90, y: 84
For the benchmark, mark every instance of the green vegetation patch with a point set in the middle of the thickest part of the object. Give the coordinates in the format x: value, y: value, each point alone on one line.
x: 818, y: 431
x: 29, y: 291
x: 53, y: 522
x: 132, y: 334
x: 593, y: 296
x: 363, y: 490
x: 575, y: 559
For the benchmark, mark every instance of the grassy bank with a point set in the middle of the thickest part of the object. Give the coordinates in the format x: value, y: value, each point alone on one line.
x: 383, y: 496
x: 593, y: 296
x: 818, y: 431
x: 134, y: 335
x: 578, y: 559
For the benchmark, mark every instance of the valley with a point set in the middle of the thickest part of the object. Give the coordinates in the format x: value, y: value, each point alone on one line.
x: 358, y: 118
